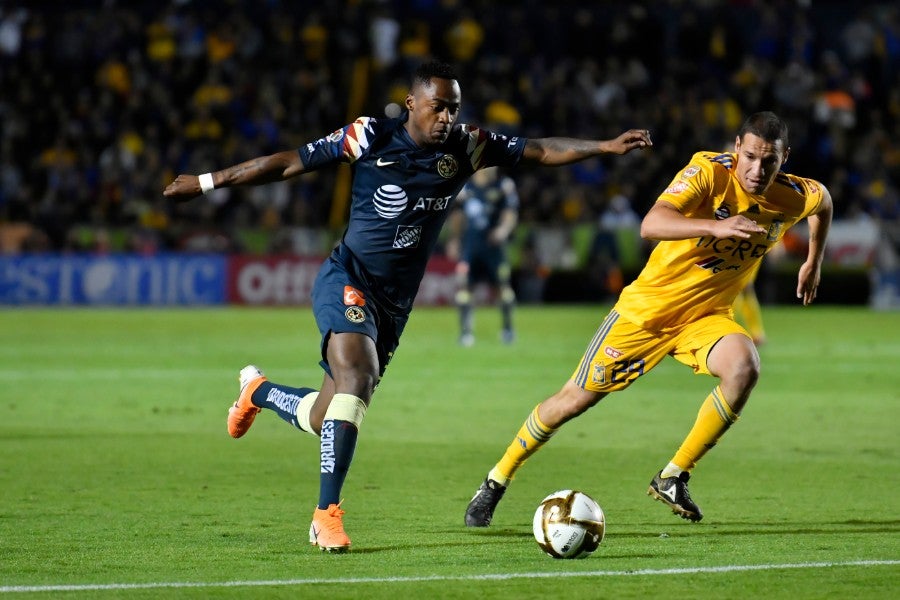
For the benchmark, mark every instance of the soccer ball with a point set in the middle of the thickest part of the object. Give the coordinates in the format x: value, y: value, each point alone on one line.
x: 569, y: 524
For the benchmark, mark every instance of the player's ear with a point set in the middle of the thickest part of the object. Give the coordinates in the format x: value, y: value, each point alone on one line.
x: 787, y: 152
x: 737, y: 144
x: 410, y: 101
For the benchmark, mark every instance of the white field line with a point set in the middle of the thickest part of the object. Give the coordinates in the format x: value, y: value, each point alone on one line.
x: 10, y: 589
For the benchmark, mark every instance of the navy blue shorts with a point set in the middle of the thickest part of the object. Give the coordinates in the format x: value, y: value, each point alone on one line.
x: 487, y: 263
x: 343, y: 304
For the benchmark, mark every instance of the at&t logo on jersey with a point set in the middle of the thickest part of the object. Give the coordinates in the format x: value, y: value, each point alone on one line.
x: 389, y: 201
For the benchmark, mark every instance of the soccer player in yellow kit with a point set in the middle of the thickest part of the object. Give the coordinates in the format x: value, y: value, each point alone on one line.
x: 714, y: 222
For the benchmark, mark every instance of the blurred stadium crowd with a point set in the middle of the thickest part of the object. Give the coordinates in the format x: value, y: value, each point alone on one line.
x: 103, y: 103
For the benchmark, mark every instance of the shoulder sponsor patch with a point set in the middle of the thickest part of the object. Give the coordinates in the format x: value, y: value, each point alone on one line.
x: 690, y: 172
x: 353, y: 297
x: 676, y: 188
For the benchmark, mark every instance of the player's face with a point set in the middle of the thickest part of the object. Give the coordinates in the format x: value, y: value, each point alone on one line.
x: 758, y: 161
x: 433, y: 109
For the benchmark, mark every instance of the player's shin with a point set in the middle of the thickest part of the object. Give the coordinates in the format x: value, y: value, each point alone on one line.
x: 531, y: 436
x: 286, y: 402
x: 507, y: 303
x: 464, y: 304
x: 713, y: 420
x: 340, y: 429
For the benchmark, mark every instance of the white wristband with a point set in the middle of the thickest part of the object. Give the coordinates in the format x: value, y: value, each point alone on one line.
x: 206, y: 183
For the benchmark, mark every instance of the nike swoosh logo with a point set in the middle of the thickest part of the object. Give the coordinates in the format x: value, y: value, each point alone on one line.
x: 383, y: 163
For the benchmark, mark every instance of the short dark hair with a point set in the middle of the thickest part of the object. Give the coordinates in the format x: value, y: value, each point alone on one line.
x: 433, y: 68
x: 766, y: 125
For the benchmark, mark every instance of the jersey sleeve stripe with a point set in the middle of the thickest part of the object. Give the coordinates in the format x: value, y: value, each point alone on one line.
x: 357, y: 138
x: 475, y: 147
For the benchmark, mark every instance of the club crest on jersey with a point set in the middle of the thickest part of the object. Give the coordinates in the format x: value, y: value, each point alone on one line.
x: 774, y: 231
x: 599, y: 375
x: 335, y: 135
x: 408, y: 236
x: 447, y: 166
x: 723, y: 212
x: 355, y: 314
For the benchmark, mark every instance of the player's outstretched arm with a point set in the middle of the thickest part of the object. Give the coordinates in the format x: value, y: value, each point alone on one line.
x: 811, y: 270
x: 256, y: 171
x: 564, y: 151
x: 665, y: 222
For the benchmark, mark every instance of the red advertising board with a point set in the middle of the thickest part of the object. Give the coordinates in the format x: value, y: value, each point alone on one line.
x: 288, y: 280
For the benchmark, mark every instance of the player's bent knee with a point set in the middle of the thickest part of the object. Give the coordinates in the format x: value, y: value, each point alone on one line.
x: 570, y: 402
x: 346, y: 407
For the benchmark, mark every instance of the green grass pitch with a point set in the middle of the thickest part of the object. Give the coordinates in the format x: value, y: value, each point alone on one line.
x: 118, y: 479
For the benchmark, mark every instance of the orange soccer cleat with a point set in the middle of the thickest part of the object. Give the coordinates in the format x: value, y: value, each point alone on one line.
x: 242, y: 413
x: 327, y: 530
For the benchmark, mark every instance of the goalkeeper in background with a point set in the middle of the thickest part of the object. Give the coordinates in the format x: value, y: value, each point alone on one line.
x: 715, y: 221
x: 487, y: 213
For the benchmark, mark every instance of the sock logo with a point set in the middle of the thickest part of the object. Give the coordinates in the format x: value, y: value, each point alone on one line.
x: 327, y: 447
x: 286, y: 402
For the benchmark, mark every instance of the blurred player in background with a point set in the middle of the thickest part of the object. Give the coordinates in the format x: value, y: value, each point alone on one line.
x: 487, y: 215
x: 748, y: 311
x: 407, y: 171
x: 714, y: 223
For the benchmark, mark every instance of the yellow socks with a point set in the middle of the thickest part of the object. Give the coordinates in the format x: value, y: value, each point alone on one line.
x: 713, y: 420
x: 528, y: 440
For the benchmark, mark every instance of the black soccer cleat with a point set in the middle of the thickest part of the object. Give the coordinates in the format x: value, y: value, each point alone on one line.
x: 673, y: 492
x: 481, y: 509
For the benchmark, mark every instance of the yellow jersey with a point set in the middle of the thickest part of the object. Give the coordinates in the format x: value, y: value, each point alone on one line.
x: 685, y: 280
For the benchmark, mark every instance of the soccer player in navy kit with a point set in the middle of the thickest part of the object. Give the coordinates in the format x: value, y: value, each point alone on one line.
x: 487, y: 214
x: 406, y: 173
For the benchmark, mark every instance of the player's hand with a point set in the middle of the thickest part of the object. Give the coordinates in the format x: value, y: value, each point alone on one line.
x: 628, y: 141
x: 497, y: 236
x: 185, y: 187
x: 451, y: 249
x: 808, y: 282
x: 737, y: 226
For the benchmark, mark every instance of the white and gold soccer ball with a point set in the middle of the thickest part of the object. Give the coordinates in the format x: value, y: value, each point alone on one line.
x: 569, y: 524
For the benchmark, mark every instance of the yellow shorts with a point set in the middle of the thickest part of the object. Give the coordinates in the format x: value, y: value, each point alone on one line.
x: 620, y: 351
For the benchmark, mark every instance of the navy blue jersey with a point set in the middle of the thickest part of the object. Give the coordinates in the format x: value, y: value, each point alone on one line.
x: 402, y: 194
x: 483, y: 205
